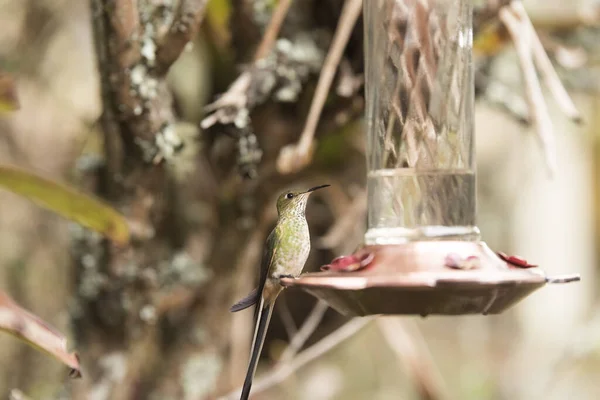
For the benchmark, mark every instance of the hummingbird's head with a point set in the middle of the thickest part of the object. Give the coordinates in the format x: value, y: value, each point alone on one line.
x: 294, y: 203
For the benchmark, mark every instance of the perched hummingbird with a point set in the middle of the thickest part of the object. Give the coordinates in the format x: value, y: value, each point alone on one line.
x: 284, y: 255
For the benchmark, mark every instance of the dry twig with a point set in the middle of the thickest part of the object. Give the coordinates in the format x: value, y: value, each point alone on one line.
x: 308, y: 327
x: 545, y: 66
x: 531, y: 53
x: 236, y: 97
x: 32, y: 330
x: 232, y: 106
x: 296, y: 156
x: 413, y: 353
x: 272, y: 31
x: 282, y: 371
x: 521, y: 35
x: 286, y: 317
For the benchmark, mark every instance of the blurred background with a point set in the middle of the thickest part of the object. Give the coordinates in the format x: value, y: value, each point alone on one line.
x: 216, y: 207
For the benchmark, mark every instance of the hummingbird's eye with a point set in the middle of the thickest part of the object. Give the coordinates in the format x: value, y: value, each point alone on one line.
x: 289, y: 196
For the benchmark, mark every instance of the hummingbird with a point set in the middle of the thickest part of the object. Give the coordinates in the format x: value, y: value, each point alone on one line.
x: 284, y: 255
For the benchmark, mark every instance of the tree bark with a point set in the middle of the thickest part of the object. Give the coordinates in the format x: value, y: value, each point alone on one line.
x: 152, y: 318
x: 131, y: 300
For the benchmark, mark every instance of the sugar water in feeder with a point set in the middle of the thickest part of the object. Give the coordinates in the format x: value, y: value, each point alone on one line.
x: 419, y: 91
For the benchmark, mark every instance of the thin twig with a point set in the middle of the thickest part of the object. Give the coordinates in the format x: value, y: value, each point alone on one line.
x: 236, y: 96
x: 273, y: 29
x: 521, y: 36
x: 412, y: 351
x: 296, y: 156
x: 286, y: 317
x: 546, y: 68
x: 571, y: 57
x: 283, y: 371
x: 308, y: 327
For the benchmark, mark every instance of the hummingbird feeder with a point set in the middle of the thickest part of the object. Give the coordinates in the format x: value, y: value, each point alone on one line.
x: 422, y: 253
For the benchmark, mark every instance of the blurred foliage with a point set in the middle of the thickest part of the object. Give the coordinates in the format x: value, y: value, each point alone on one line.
x: 68, y: 202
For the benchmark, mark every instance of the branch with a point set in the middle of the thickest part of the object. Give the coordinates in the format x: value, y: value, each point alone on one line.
x: 137, y: 102
x: 183, y: 29
x: 283, y: 371
x: 272, y: 31
x: 308, y: 327
x: 34, y: 331
x: 521, y: 35
x: 124, y: 24
x: 296, y: 156
x: 286, y: 317
x: 413, y: 353
x: 281, y: 73
x: 545, y: 66
x: 231, y: 104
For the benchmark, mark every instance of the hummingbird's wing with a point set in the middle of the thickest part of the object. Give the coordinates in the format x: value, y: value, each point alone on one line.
x: 253, y: 297
x: 269, y: 251
x: 263, y: 311
x: 246, y: 302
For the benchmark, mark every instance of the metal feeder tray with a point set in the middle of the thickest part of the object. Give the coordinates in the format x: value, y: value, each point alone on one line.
x: 428, y: 277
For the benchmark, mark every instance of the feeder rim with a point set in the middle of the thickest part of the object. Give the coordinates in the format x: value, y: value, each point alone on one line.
x: 422, y: 280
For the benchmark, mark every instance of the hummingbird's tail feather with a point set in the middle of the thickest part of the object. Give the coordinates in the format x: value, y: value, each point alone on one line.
x: 260, y: 332
x: 246, y: 302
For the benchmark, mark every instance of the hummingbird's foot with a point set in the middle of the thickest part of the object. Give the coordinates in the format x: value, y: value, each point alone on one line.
x: 290, y: 276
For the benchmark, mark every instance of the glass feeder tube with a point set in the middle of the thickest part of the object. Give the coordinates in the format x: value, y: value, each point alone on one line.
x: 420, y: 136
x: 423, y: 253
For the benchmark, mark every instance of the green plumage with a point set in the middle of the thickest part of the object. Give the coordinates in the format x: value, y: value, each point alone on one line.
x: 285, y: 254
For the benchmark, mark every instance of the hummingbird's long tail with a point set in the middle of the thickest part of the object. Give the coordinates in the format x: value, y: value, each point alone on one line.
x: 263, y: 318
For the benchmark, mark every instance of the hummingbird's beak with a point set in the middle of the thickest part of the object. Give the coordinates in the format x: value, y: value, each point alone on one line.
x: 316, y: 188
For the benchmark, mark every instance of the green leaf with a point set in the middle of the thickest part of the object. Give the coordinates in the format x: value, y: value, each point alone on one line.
x: 67, y: 202
x: 218, y: 12
x: 35, y: 332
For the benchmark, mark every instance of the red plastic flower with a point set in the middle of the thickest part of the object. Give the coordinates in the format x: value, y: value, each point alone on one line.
x: 515, y: 261
x: 456, y: 261
x: 349, y: 263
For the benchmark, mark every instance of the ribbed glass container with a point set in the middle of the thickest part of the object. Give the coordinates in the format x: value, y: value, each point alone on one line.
x: 419, y: 112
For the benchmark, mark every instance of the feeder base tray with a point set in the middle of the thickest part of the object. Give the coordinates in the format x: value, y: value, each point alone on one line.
x: 424, y: 278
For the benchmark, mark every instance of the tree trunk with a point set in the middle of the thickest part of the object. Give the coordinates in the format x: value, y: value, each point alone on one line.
x: 140, y: 307
x: 152, y: 319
